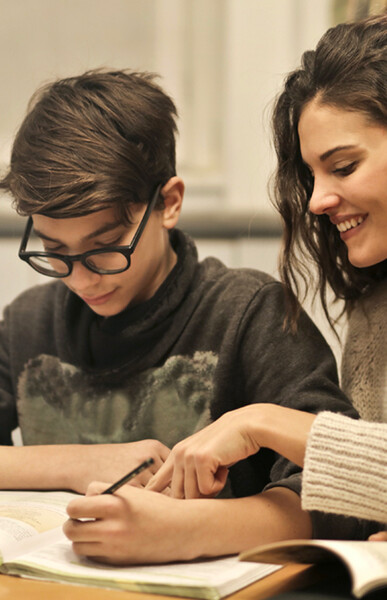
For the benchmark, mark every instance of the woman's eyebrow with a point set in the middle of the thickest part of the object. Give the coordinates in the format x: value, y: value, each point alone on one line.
x: 329, y: 153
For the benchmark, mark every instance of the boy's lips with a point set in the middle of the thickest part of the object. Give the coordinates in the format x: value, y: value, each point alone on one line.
x: 95, y: 300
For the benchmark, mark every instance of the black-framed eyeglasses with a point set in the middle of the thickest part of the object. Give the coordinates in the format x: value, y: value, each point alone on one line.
x: 105, y: 261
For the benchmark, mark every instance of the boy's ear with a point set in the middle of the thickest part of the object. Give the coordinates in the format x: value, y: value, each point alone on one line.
x: 172, y: 192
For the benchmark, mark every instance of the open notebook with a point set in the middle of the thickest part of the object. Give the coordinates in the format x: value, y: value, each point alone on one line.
x: 33, y: 545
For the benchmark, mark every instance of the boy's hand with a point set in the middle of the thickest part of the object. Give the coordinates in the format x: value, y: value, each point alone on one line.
x: 198, y: 466
x: 110, y: 462
x: 136, y: 526
x: 381, y: 536
x: 130, y: 526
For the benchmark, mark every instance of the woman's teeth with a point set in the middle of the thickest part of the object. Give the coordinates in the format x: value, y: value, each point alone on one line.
x: 350, y: 224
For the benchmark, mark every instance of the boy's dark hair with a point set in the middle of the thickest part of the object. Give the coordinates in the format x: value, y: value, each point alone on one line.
x: 102, y: 139
x: 347, y: 70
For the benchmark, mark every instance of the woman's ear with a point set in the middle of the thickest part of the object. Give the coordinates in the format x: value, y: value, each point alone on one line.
x: 173, y: 193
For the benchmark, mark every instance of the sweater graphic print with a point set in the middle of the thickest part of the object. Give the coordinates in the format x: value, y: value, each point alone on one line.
x: 61, y: 404
x: 210, y: 340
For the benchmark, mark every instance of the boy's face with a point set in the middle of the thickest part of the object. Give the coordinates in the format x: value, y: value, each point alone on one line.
x: 152, y: 260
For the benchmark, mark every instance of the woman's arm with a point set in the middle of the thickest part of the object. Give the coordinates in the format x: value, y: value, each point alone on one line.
x: 345, y: 469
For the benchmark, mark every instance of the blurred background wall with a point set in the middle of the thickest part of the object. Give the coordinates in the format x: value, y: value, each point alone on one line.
x: 223, y: 61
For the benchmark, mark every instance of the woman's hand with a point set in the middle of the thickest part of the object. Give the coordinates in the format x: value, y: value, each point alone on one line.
x: 198, y: 466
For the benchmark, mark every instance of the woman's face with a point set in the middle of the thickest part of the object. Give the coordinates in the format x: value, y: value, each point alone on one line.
x: 347, y: 156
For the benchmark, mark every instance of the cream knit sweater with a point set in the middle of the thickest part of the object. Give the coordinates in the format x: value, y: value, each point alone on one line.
x: 345, y: 468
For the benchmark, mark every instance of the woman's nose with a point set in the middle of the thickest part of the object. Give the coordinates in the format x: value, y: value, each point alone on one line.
x: 323, y: 199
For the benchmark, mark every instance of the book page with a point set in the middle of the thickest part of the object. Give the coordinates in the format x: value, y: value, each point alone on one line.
x: 365, y: 561
x: 212, y: 578
x: 28, y: 516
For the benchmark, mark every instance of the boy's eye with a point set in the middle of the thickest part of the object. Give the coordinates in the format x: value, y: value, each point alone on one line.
x: 56, y: 249
x: 346, y: 169
x: 116, y: 242
x: 60, y: 250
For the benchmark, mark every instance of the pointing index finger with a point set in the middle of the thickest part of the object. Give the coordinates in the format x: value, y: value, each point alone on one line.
x: 162, y: 478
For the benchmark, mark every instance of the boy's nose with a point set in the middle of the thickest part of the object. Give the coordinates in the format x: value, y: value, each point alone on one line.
x: 81, y: 278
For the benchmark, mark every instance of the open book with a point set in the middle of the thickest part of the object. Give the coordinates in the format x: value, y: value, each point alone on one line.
x: 366, y: 562
x: 33, y: 545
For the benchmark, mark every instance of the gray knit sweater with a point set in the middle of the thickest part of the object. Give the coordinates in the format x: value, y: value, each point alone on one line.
x: 210, y: 340
x: 346, y: 460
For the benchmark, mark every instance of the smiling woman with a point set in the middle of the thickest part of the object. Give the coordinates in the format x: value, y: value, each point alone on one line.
x: 330, y: 126
x: 347, y: 157
x: 330, y: 133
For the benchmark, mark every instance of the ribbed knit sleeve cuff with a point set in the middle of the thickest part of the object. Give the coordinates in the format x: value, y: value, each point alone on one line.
x: 345, y: 469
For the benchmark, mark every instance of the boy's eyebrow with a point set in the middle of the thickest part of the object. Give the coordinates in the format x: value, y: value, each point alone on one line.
x: 103, y: 229
x: 329, y: 153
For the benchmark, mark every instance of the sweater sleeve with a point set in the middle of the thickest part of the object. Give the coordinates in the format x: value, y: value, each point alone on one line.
x: 345, y: 469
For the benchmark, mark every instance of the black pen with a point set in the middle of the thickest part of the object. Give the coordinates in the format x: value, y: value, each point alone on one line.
x: 129, y: 476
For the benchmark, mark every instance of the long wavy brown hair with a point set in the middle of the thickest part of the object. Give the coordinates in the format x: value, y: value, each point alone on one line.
x: 348, y: 70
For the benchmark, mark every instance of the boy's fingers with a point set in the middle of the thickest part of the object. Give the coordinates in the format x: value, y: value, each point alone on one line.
x: 92, y: 507
x: 97, y: 487
x: 381, y: 536
x: 80, y: 530
x: 89, y: 549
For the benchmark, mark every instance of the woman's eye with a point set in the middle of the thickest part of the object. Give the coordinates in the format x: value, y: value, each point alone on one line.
x: 346, y: 170
x: 309, y: 170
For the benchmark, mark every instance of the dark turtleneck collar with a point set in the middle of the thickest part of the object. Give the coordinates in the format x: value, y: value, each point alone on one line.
x: 140, y: 334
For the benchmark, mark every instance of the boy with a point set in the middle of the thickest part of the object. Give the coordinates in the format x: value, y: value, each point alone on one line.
x: 134, y: 344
